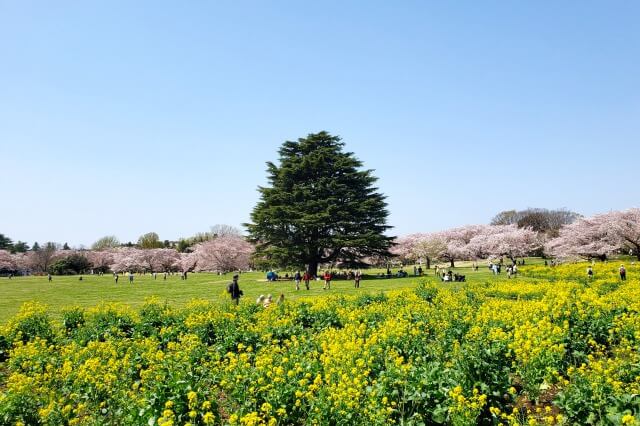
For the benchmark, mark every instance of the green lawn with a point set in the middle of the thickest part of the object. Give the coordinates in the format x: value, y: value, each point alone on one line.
x: 67, y: 291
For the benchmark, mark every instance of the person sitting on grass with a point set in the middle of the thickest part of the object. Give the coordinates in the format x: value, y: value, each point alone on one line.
x: 267, y: 301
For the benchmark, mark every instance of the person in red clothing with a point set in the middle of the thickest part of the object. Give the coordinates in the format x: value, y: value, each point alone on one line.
x: 306, y: 278
x: 327, y: 280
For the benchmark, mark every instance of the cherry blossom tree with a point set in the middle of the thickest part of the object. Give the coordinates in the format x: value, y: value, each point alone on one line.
x: 455, y: 242
x: 504, y: 240
x: 187, y: 262
x: 100, y: 259
x: 403, y: 248
x: 598, y: 236
x: 421, y: 247
x: 589, y: 238
x: 625, y: 227
x: 23, y: 262
x: 40, y: 260
x: 127, y: 259
x: 7, y: 261
x: 146, y: 259
x: 468, y: 242
x: 223, y: 254
x: 165, y: 260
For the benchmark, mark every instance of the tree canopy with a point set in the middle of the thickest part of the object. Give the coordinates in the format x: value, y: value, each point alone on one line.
x: 106, y: 242
x: 150, y: 240
x: 320, y: 207
x: 537, y: 219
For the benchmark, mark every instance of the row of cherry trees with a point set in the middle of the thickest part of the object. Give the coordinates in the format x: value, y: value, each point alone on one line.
x: 598, y: 236
x: 222, y: 254
x: 593, y: 237
x: 468, y: 242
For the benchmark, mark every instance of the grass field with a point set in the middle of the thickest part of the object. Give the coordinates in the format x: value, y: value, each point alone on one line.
x: 66, y: 291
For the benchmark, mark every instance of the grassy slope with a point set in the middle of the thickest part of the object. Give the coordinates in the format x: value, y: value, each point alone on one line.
x: 67, y: 291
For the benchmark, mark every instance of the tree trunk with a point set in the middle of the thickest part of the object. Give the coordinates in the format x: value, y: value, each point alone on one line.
x: 313, y: 268
x: 428, y: 262
x: 452, y: 263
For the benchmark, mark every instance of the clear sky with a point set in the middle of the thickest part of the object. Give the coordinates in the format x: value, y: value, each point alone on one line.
x: 120, y: 117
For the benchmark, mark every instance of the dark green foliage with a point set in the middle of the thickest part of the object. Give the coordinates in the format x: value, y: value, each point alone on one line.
x: 427, y: 291
x: 74, y: 264
x: 5, y: 243
x: 424, y: 397
x: 183, y: 245
x: 105, y: 324
x: 20, y: 247
x: 5, y: 347
x: 72, y: 319
x: 319, y: 208
x: 369, y: 298
x: 155, y: 316
x: 582, y: 402
x: 317, y: 319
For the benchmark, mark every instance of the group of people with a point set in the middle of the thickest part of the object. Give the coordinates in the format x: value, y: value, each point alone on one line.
x: 449, y: 276
x: 400, y: 274
x: 327, y: 277
x: 306, y: 277
x: 621, y: 270
x: 267, y: 300
x: 355, y: 276
x: 496, y: 268
x: 235, y: 293
x: 131, y: 275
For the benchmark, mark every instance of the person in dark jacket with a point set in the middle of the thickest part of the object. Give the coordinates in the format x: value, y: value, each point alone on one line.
x: 234, y: 290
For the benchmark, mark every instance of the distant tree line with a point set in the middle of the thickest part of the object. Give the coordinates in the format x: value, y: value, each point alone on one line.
x: 222, y: 249
x: 548, y: 222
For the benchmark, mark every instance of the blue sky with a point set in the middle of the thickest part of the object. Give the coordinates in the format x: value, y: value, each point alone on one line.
x: 129, y: 117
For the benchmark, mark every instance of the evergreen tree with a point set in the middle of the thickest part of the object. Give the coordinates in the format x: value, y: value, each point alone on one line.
x: 5, y: 243
x: 320, y: 208
x: 36, y: 246
x: 20, y: 247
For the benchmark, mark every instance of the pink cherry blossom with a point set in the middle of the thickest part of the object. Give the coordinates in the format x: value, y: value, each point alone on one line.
x: 223, y: 254
x: 7, y: 261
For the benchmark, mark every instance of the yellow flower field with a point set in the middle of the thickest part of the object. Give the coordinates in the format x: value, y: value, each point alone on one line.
x: 551, y: 348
